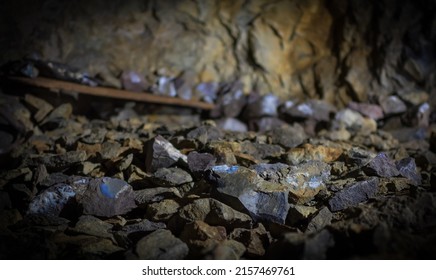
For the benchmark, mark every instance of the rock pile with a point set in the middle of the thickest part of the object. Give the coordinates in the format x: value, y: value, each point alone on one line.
x: 314, y: 182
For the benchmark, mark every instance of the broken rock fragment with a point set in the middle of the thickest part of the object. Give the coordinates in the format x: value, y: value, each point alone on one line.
x: 213, y: 212
x: 393, y: 105
x: 320, y: 220
x: 199, y: 162
x: 407, y: 168
x: 288, y: 136
x: 372, y: 111
x: 133, y: 81
x: 354, y: 194
x: 244, y: 190
x: 255, y: 240
x: 260, y: 106
x: 91, y: 225
x: 163, y: 210
x: 171, y: 177
x: 381, y: 166
x: 306, y: 180
x: 52, y: 201
x: 161, y: 153
x: 107, y: 197
x: 57, y: 162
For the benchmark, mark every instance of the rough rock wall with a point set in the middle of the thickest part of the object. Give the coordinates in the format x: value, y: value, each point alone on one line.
x: 334, y: 50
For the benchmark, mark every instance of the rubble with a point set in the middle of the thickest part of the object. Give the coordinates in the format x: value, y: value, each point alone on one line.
x: 245, y: 191
x: 107, y: 197
x: 143, y: 186
x: 354, y: 194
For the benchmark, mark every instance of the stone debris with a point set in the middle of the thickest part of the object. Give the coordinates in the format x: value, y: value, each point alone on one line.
x: 306, y: 180
x: 288, y: 136
x: 107, y: 197
x: 212, y: 212
x: 255, y: 240
x: 320, y: 220
x: 133, y: 81
x: 381, y: 166
x: 171, y: 177
x: 53, y: 200
x: 393, y: 105
x: 372, y: 111
x: 407, y: 168
x: 354, y: 194
x: 300, y: 179
x: 247, y: 192
x: 199, y: 162
x: 161, y: 153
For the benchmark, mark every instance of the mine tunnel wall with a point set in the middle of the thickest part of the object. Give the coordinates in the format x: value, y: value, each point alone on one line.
x: 337, y: 50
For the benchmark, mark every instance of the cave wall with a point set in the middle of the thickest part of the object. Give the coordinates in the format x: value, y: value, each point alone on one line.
x: 336, y: 50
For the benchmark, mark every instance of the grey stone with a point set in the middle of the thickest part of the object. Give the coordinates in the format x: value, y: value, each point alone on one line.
x: 161, y: 153
x: 407, y: 168
x: 171, y: 177
x: 212, y: 212
x: 265, y: 124
x: 110, y: 150
x: 166, y: 86
x: 199, y: 162
x: 54, y: 178
x: 230, y: 102
x: 58, y: 223
x: 93, y: 226
x: 43, y: 107
x: 199, y: 230
x: 99, y: 248
x: 205, y: 133
x: 163, y: 210
x: 94, y: 135
x: 299, y: 213
x: 59, y: 114
x: 381, y: 166
x: 372, y: 111
x: 231, y: 124
x: 288, y: 136
x: 146, y: 196
x: 245, y: 191
x: 143, y: 226
x: 261, y: 106
x: 184, y: 85
x: 318, y: 110
x: 353, y: 121
x: 52, y: 201
x: 306, y: 180
x: 354, y: 194
x: 207, y: 91
x: 271, y: 171
x: 413, y: 96
x: 57, y: 162
x: 161, y: 245
x: 255, y: 240
x: 107, y: 197
x: 320, y: 220
x: 393, y: 105
x: 133, y: 81
x: 262, y: 151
